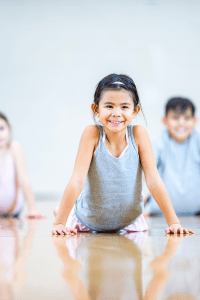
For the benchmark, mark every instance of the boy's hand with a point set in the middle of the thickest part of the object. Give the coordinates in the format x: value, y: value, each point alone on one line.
x: 176, y: 228
x: 62, y: 230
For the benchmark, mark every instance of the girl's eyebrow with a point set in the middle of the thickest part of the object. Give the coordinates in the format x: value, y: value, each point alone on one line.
x: 125, y: 103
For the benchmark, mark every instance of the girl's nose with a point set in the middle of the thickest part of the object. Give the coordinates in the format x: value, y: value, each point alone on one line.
x: 116, y: 112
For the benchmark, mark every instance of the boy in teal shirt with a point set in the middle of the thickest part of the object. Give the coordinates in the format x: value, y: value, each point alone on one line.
x: 177, y: 154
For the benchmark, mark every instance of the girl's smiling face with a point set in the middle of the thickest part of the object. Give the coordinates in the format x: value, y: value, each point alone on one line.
x: 4, y: 133
x: 116, y: 110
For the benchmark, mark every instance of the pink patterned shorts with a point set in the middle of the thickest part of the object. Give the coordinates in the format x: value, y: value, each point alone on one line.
x: 73, y: 222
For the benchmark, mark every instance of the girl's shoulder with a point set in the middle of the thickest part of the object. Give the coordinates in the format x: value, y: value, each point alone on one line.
x: 92, y: 132
x: 139, y: 134
x: 15, y: 149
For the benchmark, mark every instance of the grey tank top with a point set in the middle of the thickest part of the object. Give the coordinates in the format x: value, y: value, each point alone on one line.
x: 111, y: 198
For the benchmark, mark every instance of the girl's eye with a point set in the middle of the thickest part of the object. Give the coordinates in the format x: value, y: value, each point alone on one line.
x: 109, y: 106
x: 1, y: 128
x: 124, y: 106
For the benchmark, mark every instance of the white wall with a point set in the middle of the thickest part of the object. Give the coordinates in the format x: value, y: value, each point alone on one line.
x: 53, y: 53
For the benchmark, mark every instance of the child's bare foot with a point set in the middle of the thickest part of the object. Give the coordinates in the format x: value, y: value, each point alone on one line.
x: 55, y: 210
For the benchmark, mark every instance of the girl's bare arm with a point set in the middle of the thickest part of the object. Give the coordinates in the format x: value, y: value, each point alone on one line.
x: 23, y: 179
x: 76, y: 184
x: 154, y: 181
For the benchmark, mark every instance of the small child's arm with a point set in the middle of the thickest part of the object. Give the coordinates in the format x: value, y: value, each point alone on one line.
x: 154, y: 181
x: 76, y: 184
x: 23, y: 180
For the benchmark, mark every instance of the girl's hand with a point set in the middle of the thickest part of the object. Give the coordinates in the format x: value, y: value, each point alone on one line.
x: 176, y: 228
x: 33, y: 214
x: 61, y: 229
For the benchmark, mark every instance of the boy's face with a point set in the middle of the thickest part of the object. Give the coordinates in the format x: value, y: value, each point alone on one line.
x: 180, y: 124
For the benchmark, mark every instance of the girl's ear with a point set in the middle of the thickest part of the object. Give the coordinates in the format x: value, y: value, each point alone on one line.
x: 136, y: 110
x: 94, y: 109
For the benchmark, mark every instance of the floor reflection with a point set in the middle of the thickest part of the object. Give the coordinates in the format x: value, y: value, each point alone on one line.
x: 14, y: 252
x: 161, y: 273
x: 102, y: 266
x: 109, y: 266
x: 35, y: 265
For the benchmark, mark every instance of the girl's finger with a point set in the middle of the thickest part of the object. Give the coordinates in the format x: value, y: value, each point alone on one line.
x: 181, y: 230
x: 74, y: 231
x: 59, y: 231
x: 65, y: 231
x: 54, y: 232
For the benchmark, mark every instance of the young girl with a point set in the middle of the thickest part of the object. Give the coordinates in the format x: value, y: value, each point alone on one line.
x: 106, y: 183
x: 13, y: 176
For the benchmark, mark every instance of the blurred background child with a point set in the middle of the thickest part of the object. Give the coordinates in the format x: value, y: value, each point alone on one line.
x: 177, y: 153
x: 13, y: 176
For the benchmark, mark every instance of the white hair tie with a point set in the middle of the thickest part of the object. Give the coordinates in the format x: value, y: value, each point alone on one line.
x: 118, y: 82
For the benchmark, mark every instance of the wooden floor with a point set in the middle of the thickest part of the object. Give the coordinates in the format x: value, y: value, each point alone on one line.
x: 35, y: 265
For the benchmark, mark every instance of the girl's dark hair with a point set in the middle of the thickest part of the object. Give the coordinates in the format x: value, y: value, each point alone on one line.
x: 108, y: 83
x: 179, y: 105
x: 2, y: 116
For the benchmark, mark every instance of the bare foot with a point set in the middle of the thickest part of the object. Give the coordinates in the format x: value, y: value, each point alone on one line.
x: 55, y: 210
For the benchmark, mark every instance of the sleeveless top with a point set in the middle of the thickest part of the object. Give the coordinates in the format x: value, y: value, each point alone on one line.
x: 8, y: 187
x: 111, y: 198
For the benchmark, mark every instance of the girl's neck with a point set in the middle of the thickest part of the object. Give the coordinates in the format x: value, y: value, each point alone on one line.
x: 116, y: 138
x: 3, y: 151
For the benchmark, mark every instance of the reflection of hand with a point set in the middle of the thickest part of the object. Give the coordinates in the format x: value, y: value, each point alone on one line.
x: 176, y: 238
x: 62, y: 229
x: 176, y: 228
x: 159, y: 266
x: 33, y: 214
x: 171, y: 248
x: 72, y: 267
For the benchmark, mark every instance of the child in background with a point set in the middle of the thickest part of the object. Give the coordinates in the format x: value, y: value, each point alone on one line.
x: 177, y: 153
x: 104, y: 192
x: 13, y: 176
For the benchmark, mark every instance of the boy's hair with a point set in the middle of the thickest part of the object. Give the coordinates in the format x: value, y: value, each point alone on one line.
x: 180, y: 105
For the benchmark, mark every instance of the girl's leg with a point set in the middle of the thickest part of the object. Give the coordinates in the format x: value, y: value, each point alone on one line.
x: 139, y: 225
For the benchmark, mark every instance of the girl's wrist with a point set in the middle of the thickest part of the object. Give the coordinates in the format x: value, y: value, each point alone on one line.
x: 55, y: 223
x: 174, y: 223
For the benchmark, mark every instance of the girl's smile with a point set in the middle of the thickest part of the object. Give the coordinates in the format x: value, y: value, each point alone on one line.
x: 115, y: 123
